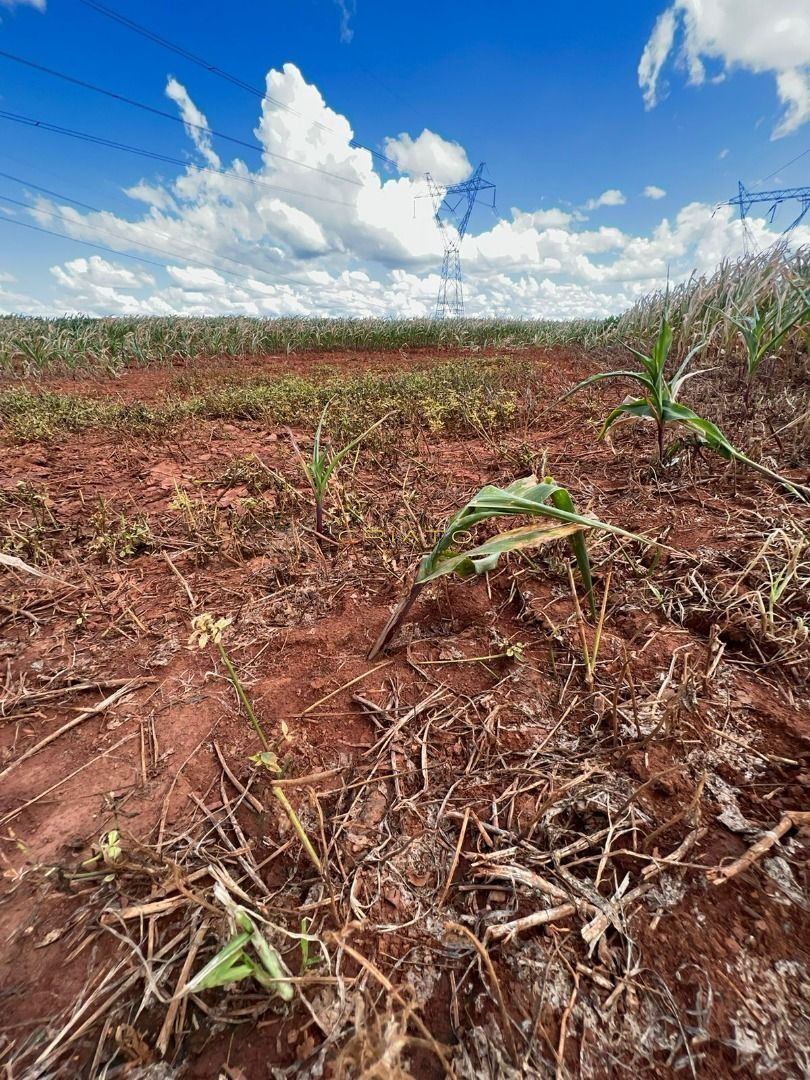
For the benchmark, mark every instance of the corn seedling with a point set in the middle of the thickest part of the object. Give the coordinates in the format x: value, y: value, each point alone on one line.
x: 660, y: 392
x: 659, y: 404
x: 525, y: 497
x: 247, y: 954
x: 763, y: 331
x: 108, y: 853
x: 322, y: 465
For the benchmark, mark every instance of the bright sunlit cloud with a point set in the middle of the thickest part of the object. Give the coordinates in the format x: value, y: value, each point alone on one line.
x: 315, y: 229
x: 763, y: 38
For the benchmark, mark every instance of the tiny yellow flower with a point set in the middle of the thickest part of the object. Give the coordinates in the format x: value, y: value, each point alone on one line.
x: 515, y: 651
x: 205, y: 628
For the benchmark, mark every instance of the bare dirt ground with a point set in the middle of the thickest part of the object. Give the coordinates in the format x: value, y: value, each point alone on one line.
x: 149, y: 384
x: 520, y: 856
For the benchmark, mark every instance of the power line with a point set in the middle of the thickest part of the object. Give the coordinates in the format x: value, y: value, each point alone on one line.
x: 782, y: 167
x: 170, y: 116
x: 138, y: 243
x: 147, y: 247
x: 153, y: 248
x: 129, y: 255
x: 87, y: 243
x: 102, y: 247
x: 112, y: 144
x: 179, y: 50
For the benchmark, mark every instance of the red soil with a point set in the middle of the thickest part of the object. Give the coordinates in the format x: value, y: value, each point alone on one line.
x: 302, y: 629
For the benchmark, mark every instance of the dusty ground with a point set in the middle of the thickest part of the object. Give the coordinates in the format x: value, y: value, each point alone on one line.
x: 447, y: 796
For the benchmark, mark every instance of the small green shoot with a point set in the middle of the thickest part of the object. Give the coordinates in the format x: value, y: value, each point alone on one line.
x: 307, y: 959
x: 234, y: 962
x: 108, y: 851
x: 659, y: 403
x: 322, y: 465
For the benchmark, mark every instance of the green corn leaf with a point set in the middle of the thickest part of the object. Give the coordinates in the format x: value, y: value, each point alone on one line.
x: 526, y: 496
x: 663, y: 344
x: 711, y: 436
x: 682, y: 414
x: 481, y: 559
x: 562, y: 500
x: 243, y: 968
x: 760, y: 333
x: 316, y: 443
x: 799, y: 318
x: 271, y: 973
x: 647, y: 362
x: 637, y: 375
x: 680, y: 376
x: 220, y: 970
x: 640, y: 409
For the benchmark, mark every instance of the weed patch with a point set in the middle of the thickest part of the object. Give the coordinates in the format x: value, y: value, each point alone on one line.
x: 455, y: 397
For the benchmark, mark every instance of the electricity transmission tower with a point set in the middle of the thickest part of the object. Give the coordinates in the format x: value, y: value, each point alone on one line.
x: 452, y: 207
x: 746, y: 199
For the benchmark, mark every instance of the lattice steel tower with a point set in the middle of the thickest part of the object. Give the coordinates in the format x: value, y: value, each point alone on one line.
x: 746, y: 199
x: 452, y: 207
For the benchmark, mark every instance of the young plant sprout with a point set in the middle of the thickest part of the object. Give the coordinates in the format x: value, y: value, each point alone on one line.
x: 247, y: 954
x: 763, y: 331
x: 323, y: 463
x: 660, y: 393
x: 659, y: 403
x: 526, y: 497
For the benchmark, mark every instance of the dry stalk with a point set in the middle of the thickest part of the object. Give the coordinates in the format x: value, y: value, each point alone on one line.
x: 719, y: 875
x: 132, y: 684
x: 485, y: 958
x: 454, y: 863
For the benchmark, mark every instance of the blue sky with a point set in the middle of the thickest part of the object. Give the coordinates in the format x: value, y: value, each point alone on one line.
x: 563, y: 102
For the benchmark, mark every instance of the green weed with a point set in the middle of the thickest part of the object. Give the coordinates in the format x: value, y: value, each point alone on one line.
x: 115, y: 536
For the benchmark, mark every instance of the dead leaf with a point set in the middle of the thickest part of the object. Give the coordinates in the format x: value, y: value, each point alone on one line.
x: 50, y: 938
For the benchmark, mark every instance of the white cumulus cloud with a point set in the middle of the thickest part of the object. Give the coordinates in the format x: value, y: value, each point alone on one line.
x: 653, y: 191
x: 311, y: 228
x: 771, y: 37
x: 446, y: 161
x: 79, y: 273
x: 38, y: 4
x: 151, y: 195
x: 193, y: 119
x: 611, y: 197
